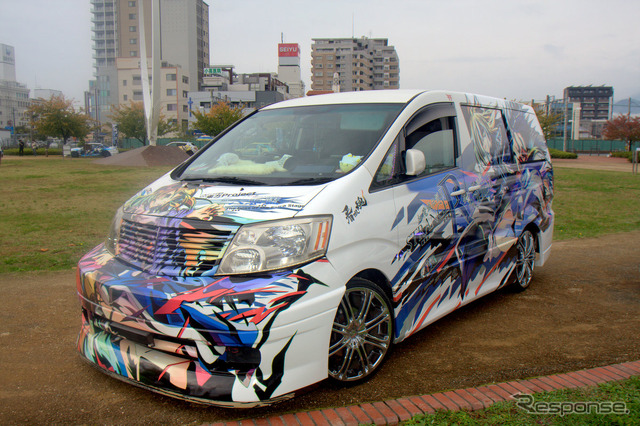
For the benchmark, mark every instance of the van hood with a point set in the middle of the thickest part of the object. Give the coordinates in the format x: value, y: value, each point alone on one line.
x: 220, y: 202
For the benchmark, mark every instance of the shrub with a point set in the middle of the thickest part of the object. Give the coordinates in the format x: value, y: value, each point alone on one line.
x: 556, y: 153
x: 623, y: 154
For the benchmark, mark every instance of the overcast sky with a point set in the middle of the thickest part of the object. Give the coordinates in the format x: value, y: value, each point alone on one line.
x: 516, y: 49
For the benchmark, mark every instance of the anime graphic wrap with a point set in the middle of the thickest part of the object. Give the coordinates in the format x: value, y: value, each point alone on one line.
x: 465, y: 244
x: 155, y: 313
x: 198, y: 337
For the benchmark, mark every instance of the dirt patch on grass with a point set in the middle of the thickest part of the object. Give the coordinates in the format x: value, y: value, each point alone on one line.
x: 582, y: 310
x: 594, y: 162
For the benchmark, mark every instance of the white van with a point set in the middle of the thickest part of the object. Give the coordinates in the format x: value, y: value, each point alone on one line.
x: 312, y: 236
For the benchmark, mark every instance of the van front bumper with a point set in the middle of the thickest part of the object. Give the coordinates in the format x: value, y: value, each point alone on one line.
x: 218, y: 340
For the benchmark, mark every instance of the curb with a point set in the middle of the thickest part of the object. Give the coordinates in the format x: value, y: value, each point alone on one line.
x: 394, y: 411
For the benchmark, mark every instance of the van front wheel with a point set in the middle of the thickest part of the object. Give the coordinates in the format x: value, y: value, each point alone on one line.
x: 525, y: 261
x: 362, y: 332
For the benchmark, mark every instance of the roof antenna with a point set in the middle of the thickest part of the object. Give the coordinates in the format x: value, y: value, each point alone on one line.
x: 281, y: 37
x: 353, y: 24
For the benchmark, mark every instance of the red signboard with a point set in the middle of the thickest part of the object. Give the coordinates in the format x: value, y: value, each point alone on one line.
x: 288, y: 49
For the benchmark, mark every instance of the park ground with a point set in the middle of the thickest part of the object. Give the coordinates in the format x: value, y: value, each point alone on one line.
x: 581, y: 311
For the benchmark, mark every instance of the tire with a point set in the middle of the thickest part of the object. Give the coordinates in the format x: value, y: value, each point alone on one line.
x: 525, y: 261
x: 362, y: 332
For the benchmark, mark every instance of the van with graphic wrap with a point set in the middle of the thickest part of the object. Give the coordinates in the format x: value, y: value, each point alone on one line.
x: 312, y: 236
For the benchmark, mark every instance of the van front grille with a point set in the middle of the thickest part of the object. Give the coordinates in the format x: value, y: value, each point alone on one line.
x: 173, y: 251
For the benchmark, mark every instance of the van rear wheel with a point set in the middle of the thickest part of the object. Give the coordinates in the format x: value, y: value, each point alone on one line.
x: 525, y: 261
x: 362, y: 332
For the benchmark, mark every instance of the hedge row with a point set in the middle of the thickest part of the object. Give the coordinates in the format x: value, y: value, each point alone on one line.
x: 556, y: 153
x: 29, y: 151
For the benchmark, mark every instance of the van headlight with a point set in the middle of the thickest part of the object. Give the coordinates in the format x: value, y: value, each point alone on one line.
x: 279, y: 244
x: 111, y: 243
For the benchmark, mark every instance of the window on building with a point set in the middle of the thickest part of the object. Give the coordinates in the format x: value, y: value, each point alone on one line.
x: 185, y: 108
x: 124, y: 82
x: 185, y: 79
x: 318, y: 65
x: 133, y: 53
x: 171, y: 77
x: 137, y: 95
x: 132, y: 16
x: 133, y: 40
x: 185, y: 94
x: 329, y: 65
x: 132, y: 3
x: 319, y: 74
x: 125, y: 97
x: 137, y: 80
x: 171, y: 92
x: 132, y: 29
x: 172, y: 107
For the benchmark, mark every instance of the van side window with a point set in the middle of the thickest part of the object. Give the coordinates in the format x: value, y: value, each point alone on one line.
x: 436, y: 140
x: 528, y: 141
x: 488, y: 134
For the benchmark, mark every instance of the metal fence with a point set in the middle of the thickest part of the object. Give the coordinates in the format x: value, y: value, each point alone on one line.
x: 590, y: 146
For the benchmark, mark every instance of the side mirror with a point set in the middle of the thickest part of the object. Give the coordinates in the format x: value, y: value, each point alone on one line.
x: 414, y: 162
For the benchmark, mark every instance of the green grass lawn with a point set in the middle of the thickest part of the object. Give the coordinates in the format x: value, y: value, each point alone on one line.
x: 53, y: 210
x: 591, y: 203
x: 508, y: 413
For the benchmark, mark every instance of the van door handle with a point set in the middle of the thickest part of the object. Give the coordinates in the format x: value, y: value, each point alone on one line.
x: 474, y: 188
x: 458, y: 192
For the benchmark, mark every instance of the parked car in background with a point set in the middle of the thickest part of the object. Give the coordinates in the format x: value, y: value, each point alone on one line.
x: 92, y: 149
x: 311, y: 237
x: 187, y: 147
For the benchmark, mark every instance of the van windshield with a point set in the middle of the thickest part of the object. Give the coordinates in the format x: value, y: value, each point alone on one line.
x: 298, y: 145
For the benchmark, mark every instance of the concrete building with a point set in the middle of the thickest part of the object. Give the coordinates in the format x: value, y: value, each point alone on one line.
x: 46, y: 93
x: 590, y: 108
x: 247, y: 91
x: 184, y: 38
x: 361, y: 63
x: 289, y: 68
x: 174, y: 89
x: 14, y: 96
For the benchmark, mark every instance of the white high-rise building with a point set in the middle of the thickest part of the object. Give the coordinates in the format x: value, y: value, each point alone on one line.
x: 14, y: 96
x: 289, y: 68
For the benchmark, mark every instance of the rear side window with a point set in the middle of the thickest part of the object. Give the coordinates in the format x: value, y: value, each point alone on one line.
x: 528, y: 141
x: 489, y: 135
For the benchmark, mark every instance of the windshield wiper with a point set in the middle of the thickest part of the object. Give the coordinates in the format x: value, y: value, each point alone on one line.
x: 225, y: 179
x: 310, y: 181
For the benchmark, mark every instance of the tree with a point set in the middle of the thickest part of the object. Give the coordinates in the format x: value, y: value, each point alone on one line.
x: 623, y: 127
x: 548, y: 122
x: 57, y: 118
x: 218, y: 118
x: 131, y: 122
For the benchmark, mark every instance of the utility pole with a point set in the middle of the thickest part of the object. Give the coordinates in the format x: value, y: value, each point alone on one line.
x: 566, y: 111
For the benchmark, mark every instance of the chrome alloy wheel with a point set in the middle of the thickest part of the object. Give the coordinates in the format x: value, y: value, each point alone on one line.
x: 525, y: 260
x: 361, y: 334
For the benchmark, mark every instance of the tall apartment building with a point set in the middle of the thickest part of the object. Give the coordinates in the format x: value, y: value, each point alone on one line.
x: 184, y: 39
x: 361, y: 63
